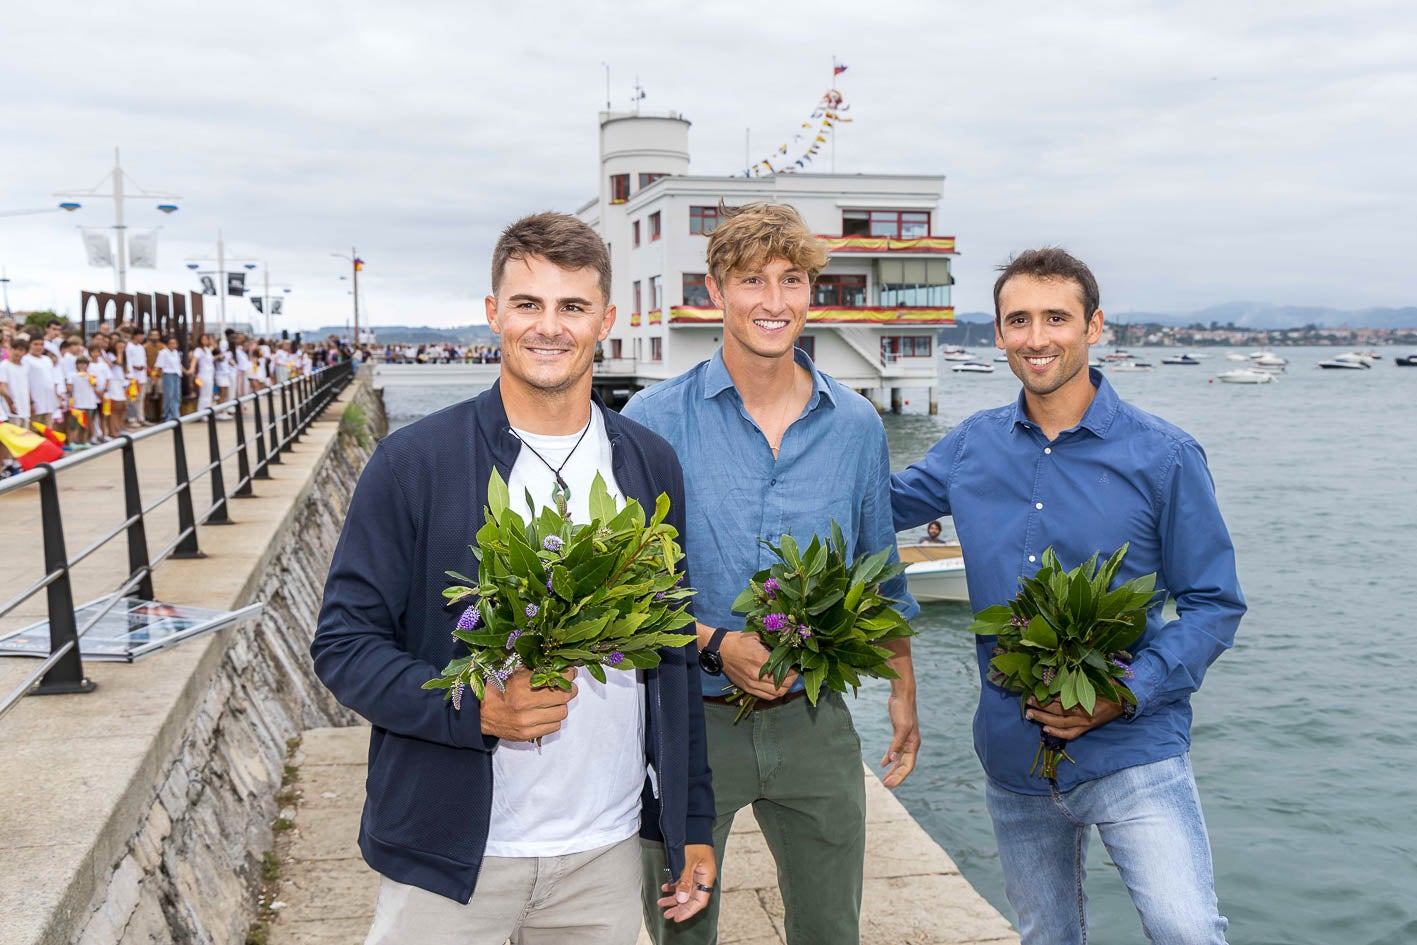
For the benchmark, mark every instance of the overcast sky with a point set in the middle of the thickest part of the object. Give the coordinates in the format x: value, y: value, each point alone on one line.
x: 1192, y: 153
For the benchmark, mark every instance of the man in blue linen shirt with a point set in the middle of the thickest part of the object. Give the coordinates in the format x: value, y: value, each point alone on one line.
x: 770, y: 445
x: 1071, y: 466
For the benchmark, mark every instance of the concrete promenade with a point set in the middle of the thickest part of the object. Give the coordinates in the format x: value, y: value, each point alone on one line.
x: 914, y: 893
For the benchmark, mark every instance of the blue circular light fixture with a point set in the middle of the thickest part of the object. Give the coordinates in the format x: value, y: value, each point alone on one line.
x: 250, y: 265
x: 70, y: 206
x: 192, y: 265
x: 167, y: 207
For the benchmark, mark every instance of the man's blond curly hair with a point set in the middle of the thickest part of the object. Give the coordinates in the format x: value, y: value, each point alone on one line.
x: 750, y: 236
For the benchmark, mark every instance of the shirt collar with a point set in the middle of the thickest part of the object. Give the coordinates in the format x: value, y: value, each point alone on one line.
x: 717, y: 379
x: 1100, y: 413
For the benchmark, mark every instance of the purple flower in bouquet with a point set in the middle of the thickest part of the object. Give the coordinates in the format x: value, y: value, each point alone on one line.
x: 614, y: 659
x: 512, y: 637
x: 457, y: 695
x: 773, y: 623
x: 548, y: 584
x: 770, y: 588
x: 469, y: 619
x: 804, y: 632
x: 660, y: 595
x: 552, y: 543
x: 1127, y: 670
x: 531, y: 610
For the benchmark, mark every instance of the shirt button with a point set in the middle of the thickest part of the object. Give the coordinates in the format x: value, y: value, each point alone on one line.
x: 772, y: 482
x: 1038, y: 505
x: 1047, y: 450
x: 1031, y: 559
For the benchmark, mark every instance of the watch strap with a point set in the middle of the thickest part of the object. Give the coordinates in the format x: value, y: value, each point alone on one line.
x: 716, y: 640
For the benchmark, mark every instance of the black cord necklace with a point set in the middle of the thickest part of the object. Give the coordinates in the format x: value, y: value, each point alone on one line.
x: 561, y: 494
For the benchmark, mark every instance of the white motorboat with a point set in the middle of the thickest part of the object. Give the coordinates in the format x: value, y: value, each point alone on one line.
x: 958, y: 356
x: 1266, y: 361
x: 1001, y: 359
x: 935, y: 572
x: 1117, y: 354
x: 973, y: 367
x: 1235, y: 356
x: 1246, y: 376
x: 1347, y: 362
x: 1132, y: 367
x: 1181, y: 359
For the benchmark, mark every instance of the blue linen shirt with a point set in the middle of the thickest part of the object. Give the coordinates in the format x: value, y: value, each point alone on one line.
x: 832, y: 464
x: 1121, y: 475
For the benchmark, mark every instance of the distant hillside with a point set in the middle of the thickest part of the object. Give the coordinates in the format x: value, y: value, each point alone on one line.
x: 419, y: 334
x: 1257, y: 316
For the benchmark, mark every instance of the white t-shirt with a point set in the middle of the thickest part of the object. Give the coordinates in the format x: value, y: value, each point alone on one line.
x: 41, y: 377
x: 137, y: 361
x: 54, y: 344
x: 102, y: 373
x: 86, y: 391
x: 581, y: 789
x: 169, y: 361
x: 17, y: 382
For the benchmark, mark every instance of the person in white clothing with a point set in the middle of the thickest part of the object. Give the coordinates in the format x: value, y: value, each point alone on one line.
x: 54, y: 337
x: 242, y: 360
x: 169, y: 362
x: 137, y: 357
x: 84, y: 401
x: 116, y: 394
x: 40, y: 372
x: 203, y: 371
x: 15, y: 382
x: 101, y: 373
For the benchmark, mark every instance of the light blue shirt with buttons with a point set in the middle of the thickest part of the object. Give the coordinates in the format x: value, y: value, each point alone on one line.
x: 832, y: 464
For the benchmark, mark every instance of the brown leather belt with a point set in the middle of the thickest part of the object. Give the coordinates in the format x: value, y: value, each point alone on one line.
x: 761, y: 704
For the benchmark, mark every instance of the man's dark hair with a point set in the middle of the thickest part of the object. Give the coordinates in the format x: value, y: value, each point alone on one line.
x: 54, y: 323
x: 1050, y: 262
x: 559, y: 239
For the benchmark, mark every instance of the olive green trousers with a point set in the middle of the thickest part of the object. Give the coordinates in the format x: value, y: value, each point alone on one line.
x: 800, y: 768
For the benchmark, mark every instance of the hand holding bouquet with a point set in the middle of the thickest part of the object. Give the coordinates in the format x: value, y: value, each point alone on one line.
x: 1065, y: 637
x: 821, y: 617
x: 550, y: 595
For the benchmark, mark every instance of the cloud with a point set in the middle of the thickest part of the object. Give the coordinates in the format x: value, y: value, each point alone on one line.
x: 1193, y: 153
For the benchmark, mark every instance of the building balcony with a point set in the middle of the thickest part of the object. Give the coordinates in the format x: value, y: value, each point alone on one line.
x: 879, y: 317
x: 885, y: 245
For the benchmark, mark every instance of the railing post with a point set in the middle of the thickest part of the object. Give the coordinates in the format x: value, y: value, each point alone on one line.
x: 285, y: 409
x: 138, y: 560
x: 243, y: 462
x: 285, y: 441
x: 67, y: 675
x: 187, y: 547
x: 263, y: 457
x: 219, y: 514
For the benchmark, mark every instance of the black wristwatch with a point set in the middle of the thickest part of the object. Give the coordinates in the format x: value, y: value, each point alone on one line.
x: 709, y: 659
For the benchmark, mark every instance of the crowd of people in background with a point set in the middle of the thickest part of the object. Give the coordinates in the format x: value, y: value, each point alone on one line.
x: 440, y: 354
x: 81, y: 392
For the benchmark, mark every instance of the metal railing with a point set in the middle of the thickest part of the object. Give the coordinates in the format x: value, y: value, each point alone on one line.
x: 274, y: 432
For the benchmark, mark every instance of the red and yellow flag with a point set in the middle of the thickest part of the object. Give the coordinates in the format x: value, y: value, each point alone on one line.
x: 132, y: 389
x: 49, y: 433
x: 29, y: 449
x: 81, y: 417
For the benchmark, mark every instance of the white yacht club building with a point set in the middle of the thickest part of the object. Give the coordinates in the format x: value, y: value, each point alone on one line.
x: 875, y: 309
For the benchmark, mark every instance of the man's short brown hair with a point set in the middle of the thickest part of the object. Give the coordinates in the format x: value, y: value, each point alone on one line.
x: 1050, y: 262
x: 748, y: 237
x: 558, y: 238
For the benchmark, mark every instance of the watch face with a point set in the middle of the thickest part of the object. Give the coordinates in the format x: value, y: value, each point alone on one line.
x: 711, y: 663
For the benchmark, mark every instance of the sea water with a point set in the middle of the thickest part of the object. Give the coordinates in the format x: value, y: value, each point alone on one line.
x: 1303, y: 741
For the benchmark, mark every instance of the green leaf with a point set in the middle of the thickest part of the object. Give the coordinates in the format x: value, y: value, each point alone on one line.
x: 596, y: 670
x: 1040, y: 633
x: 497, y: 499
x: 1086, y: 694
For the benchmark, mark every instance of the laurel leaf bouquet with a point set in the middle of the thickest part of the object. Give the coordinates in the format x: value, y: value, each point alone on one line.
x: 1065, y: 637
x: 551, y: 595
x: 822, y: 615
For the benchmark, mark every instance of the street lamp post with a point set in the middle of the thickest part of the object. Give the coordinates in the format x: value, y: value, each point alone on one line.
x: 118, y: 195
x: 221, y: 261
x: 356, y: 264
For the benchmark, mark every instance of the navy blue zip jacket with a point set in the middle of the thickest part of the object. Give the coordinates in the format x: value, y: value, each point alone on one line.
x: 384, y: 630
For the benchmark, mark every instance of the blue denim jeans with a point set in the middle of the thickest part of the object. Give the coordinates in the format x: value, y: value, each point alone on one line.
x: 1149, y: 818
x: 171, y: 397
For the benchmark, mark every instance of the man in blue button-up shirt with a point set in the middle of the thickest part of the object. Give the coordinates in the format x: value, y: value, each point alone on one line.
x: 770, y: 445
x: 1071, y: 466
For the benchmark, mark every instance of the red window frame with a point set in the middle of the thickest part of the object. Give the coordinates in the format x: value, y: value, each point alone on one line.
x: 830, y: 290
x: 650, y: 178
x: 635, y: 232
x: 703, y: 220
x: 890, y: 223
x: 636, y: 309
x: 655, y: 228
x: 619, y: 188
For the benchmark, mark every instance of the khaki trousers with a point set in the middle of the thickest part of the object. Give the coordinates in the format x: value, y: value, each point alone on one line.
x: 589, y: 898
x: 800, y: 768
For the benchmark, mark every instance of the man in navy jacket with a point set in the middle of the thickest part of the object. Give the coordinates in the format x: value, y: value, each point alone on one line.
x: 481, y: 834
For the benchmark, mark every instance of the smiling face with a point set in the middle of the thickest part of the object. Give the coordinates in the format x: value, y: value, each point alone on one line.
x: 549, y: 320
x: 764, y: 308
x: 1045, y: 332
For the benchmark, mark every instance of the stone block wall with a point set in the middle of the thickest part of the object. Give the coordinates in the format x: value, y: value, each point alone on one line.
x: 190, y: 872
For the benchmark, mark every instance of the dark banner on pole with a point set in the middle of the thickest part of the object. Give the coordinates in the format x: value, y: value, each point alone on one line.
x: 236, y: 283
x: 256, y: 302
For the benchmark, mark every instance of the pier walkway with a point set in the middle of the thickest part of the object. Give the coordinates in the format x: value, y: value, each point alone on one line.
x: 914, y: 893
